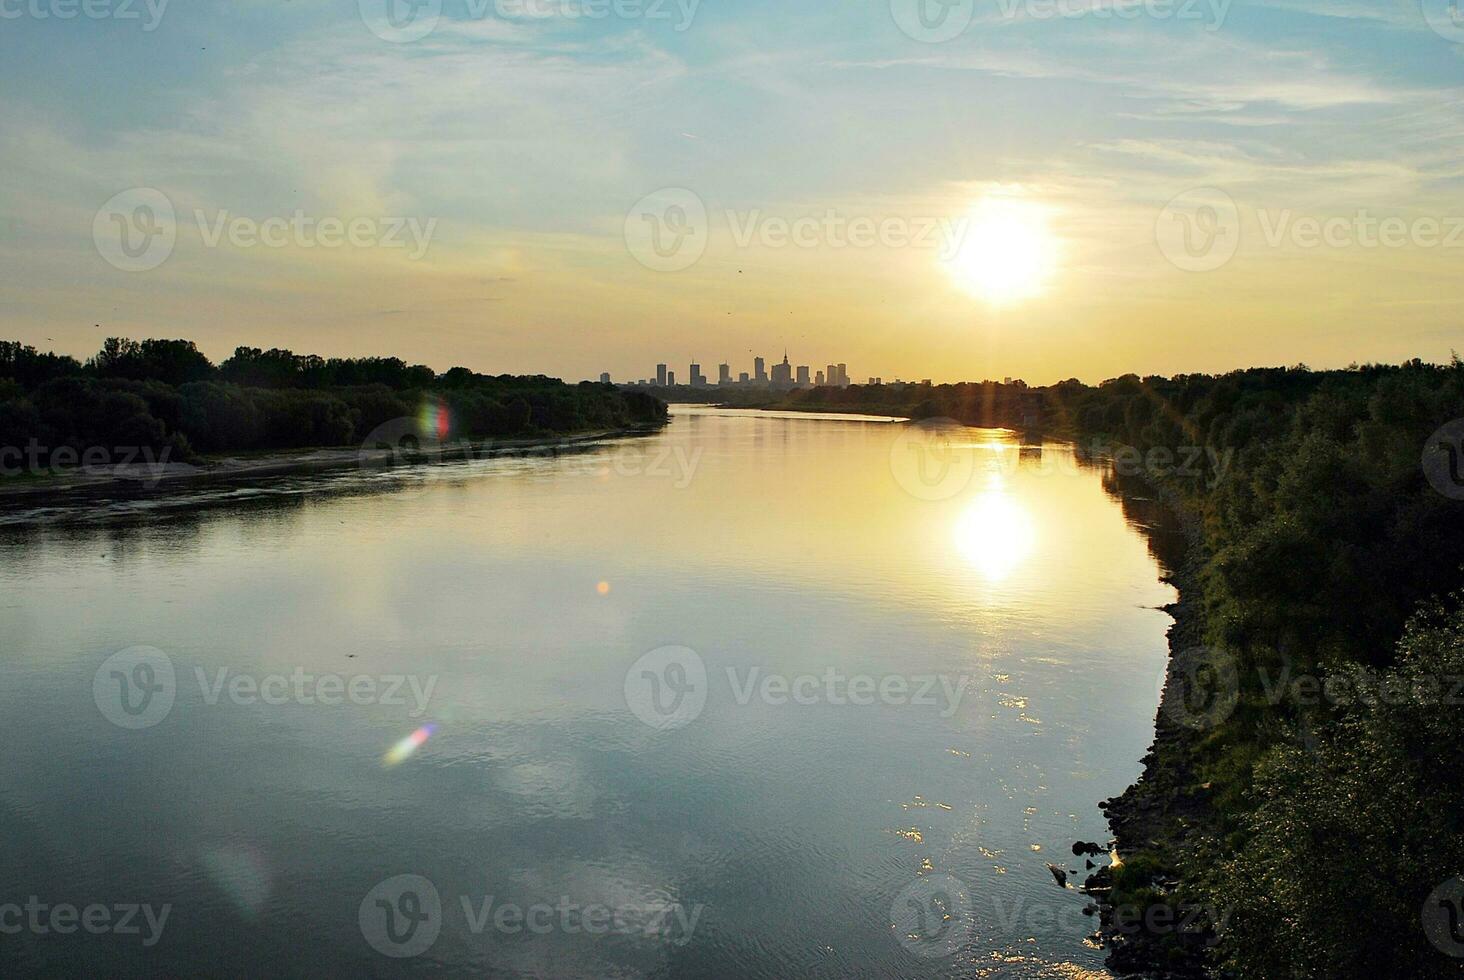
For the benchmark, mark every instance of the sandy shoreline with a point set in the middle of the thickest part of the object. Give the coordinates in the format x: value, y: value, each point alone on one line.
x: 162, y: 475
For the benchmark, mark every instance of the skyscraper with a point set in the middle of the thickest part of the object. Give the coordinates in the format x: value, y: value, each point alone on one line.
x: 698, y: 380
x: 724, y: 374
x: 759, y: 371
x: 783, y: 373
x: 670, y: 379
x: 803, y: 375
x: 843, y: 375
x: 605, y: 378
x: 661, y: 375
x: 818, y: 380
x: 831, y: 375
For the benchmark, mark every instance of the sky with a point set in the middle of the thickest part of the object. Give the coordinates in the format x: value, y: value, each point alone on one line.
x: 945, y: 189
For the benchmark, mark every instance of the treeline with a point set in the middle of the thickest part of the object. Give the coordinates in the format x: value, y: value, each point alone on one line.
x: 1312, y: 790
x: 984, y: 403
x: 1325, y: 803
x: 166, y: 395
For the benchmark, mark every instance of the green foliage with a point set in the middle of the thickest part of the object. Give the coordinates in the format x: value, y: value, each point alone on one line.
x: 159, y: 394
x: 1353, y: 829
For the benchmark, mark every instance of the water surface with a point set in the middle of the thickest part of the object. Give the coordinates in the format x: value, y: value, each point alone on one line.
x: 768, y: 832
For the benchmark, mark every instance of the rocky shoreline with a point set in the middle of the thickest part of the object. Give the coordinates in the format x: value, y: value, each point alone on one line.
x: 1157, y: 818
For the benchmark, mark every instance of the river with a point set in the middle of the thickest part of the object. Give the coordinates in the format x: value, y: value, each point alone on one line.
x: 757, y: 696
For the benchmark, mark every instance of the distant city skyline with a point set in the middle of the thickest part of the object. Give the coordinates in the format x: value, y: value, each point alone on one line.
x: 784, y: 375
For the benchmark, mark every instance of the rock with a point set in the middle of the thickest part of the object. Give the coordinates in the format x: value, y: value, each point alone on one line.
x: 1058, y: 875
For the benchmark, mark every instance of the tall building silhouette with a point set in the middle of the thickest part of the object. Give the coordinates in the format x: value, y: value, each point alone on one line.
x: 783, y: 373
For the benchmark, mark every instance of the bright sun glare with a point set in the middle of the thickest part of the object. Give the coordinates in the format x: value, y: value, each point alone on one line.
x: 1005, y: 252
x: 995, y: 534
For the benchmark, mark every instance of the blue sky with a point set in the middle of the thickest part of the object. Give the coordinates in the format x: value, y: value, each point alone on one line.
x: 526, y: 140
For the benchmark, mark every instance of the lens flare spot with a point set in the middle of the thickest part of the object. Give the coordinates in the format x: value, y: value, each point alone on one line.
x: 434, y: 420
x: 407, y: 747
x: 603, y: 588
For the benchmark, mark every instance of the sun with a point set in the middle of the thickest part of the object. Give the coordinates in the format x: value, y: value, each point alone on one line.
x: 1004, y: 252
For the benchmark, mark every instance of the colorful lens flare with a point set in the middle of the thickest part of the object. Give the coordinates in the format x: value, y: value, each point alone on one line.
x: 407, y: 747
x: 435, y: 420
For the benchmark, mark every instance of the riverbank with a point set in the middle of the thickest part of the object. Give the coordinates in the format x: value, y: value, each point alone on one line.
x: 162, y: 475
x: 1158, y: 820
